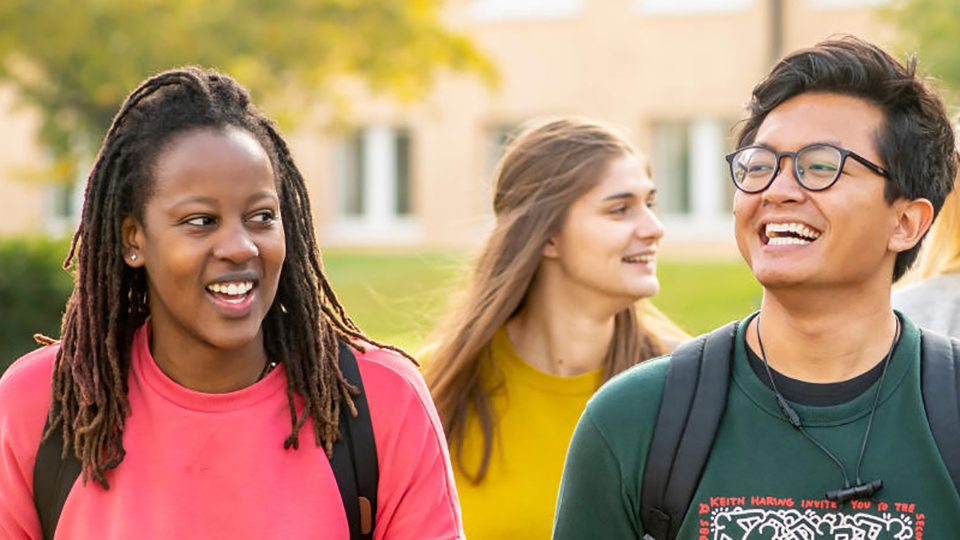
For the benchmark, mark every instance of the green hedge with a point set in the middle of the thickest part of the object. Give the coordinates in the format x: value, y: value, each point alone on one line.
x: 34, y: 289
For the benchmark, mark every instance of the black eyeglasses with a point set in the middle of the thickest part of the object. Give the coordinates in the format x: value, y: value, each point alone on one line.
x: 816, y: 166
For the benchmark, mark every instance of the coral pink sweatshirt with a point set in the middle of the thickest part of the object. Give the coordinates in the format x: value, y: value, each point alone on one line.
x: 213, y: 465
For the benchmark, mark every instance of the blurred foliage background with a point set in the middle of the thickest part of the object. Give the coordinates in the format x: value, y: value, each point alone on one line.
x: 931, y: 29
x: 75, y: 61
x: 34, y: 289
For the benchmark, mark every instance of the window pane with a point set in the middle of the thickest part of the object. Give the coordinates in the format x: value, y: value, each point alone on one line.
x: 352, y: 184
x: 63, y: 200
x: 496, y: 141
x: 729, y: 145
x: 404, y: 204
x: 671, y: 166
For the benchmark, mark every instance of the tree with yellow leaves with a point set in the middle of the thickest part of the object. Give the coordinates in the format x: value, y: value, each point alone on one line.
x: 75, y: 60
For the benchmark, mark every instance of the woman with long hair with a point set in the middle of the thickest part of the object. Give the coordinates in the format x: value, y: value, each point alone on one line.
x: 206, y: 375
x: 555, y: 307
x: 930, y: 295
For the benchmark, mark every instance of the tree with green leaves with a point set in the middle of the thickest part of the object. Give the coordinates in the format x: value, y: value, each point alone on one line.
x: 74, y: 61
x: 932, y: 29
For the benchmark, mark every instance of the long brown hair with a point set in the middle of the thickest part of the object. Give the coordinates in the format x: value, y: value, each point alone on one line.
x: 544, y: 171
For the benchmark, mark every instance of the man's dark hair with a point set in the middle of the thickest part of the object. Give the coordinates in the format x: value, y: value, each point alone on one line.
x: 109, y: 302
x: 916, y: 140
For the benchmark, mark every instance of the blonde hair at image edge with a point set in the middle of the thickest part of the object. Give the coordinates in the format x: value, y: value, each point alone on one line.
x: 543, y: 171
x: 941, y: 250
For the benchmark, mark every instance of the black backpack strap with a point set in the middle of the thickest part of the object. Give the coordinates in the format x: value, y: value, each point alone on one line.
x: 354, y: 465
x: 354, y: 460
x: 53, y: 478
x: 939, y: 382
x: 694, y: 397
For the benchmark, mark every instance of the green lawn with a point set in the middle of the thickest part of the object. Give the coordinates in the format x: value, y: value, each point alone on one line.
x: 702, y: 295
x: 394, y: 297
x: 397, y: 297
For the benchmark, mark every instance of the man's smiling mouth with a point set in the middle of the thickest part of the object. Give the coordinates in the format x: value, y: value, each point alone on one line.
x: 782, y: 234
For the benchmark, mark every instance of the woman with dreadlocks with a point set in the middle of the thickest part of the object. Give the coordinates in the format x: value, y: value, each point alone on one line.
x: 555, y: 307
x: 200, y: 348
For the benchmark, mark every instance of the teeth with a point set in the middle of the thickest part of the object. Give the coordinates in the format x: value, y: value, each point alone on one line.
x: 231, y: 289
x: 640, y: 259
x: 800, y: 229
x: 787, y: 240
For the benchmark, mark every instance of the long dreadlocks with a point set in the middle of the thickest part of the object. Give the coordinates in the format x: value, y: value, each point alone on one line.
x: 109, y: 302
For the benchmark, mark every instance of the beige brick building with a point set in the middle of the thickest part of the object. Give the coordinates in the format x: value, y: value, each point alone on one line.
x: 673, y: 73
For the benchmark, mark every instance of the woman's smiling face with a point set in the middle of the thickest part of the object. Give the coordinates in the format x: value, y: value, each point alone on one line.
x: 211, y: 240
x: 607, y: 247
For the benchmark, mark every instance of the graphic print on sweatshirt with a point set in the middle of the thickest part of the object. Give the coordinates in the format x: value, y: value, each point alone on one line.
x: 775, y: 518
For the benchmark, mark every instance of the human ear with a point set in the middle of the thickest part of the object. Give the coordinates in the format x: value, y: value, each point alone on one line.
x: 131, y: 232
x: 913, y: 220
x: 550, y: 250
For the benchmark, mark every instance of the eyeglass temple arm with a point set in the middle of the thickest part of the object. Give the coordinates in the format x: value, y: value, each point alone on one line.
x: 870, y: 165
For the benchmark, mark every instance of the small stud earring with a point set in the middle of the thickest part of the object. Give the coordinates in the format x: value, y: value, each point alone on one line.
x: 133, y: 257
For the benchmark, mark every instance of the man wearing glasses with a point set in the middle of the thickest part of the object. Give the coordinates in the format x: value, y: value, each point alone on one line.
x: 843, y: 163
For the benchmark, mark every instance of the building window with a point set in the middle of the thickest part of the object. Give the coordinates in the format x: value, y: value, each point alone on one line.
x: 373, y: 174
x: 498, y: 138
x: 670, y: 159
x: 62, y: 201
x: 352, y: 177
x: 729, y: 145
x: 403, y: 205
x: 689, y: 7
x: 64, y: 204
x: 514, y: 10
x: 689, y: 168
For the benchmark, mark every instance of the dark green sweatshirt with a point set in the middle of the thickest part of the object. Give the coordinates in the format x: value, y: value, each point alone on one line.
x: 763, y: 479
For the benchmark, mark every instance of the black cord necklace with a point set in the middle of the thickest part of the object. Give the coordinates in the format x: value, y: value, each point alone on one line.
x: 267, y: 368
x: 847, y: 492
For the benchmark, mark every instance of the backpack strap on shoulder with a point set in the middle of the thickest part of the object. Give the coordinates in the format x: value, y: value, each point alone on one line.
x: 354, y: 465
x: 354, y: 460
x: 939, y: 382
x: 53, y: 478
x: 694, y: 397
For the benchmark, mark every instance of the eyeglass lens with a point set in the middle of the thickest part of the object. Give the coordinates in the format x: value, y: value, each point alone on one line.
x: 816, y: 167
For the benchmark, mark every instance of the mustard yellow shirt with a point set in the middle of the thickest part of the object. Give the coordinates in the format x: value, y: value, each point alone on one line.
x: 537, y: 414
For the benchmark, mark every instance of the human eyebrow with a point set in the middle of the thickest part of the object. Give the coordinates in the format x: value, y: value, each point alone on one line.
x: 192, y: 199
x: 829, y: 142
x: 619, y: 196
x: 266, y: 194
x: 832, y: 142
x: 761, y: 144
